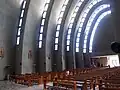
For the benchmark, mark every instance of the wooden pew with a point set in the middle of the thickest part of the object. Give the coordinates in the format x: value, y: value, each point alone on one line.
x: 29, y: 79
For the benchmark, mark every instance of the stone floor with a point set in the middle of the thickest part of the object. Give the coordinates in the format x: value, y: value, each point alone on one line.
x: 5, y: 85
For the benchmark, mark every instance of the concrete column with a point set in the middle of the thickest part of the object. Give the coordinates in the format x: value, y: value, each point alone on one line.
x: 86, y: 58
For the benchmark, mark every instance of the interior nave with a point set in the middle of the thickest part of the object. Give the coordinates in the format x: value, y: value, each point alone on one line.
x: 43, y: 36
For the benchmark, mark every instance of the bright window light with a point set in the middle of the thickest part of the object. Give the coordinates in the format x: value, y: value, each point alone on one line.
x: 90, y: 48
x: 78, y: 35
x: 61, y: 14
x: 57, y: 33
x: 85, y: 41
x: 59, y: 20
x: 56, y: 40
x: 19, y: 30
x: 89, y: 23
x: 86, y: 37
x: 95, y: 28
x: 56, y: 47
x: 68, y: 48
x: 85, y: 14
x: 20, y: 22
x: 44, y: 14
x: 77, y: 49
x: 18, y: 40
x: 68, y: 37
x: 72, y: 20
x: 94, y: 2
x: 83, y: 17
x: 90, y: 6
x: 79, y: 4
x: 22, y: 13
x: 77, y: 40
x: 87, y: 10
x: 74, y: 14
x: 47, y: 1
x: 84, y: 50
x: 41, y: 29
x: 58, y: 27
x: 66, y: 2
x: 87, y: 29
x: 79, y: 29
x: 63, y: 8
x: 84, y: 46
x: 81, y: 24
x: 40, y: 37
x: 40, y: 44
x: 70, y: 25
x: 43, y: 22
x: 69, y: 31
x: 24, y: 4
x: 46, y: 7
x: 68, y: 42
x: 76, y: 9
x: 77, y: 45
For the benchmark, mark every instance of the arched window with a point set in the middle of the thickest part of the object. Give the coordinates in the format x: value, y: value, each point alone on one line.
x: 19, y: 29
x: 59, y: 23
x: 42, y: 24
x: 95, y: 28
x: 77, y: 7
x: 82, y: 19
x: 89, y: 23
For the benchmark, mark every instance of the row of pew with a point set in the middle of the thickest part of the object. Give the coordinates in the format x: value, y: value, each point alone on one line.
x: 102, y: 78
x: 29, y: 79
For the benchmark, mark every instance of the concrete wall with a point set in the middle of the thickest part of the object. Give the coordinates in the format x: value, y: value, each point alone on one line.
x: 30, y: 35
x: 69, y: 62
x: 9, y: 12
x: 51, y: 32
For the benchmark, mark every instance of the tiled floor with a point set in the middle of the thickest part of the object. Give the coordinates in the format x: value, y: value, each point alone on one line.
x: 5, y: 85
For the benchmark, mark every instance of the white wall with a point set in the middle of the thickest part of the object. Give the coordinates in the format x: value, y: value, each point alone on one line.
x: 113, y: 60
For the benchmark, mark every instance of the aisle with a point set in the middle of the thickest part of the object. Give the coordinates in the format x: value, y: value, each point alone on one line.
x: 6, y: 85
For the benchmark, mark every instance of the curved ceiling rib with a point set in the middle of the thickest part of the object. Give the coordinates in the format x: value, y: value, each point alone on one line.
x: 42, y: 24
x: 72, y: 21
x: 59, y: 21
x: 20, y: 24
x: 95, y: 28
x: 82, y: 18
x: 89, y: 23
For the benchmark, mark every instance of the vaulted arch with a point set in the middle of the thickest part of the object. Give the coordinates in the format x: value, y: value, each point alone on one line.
x: 89, y: 23
x: 104, y: 14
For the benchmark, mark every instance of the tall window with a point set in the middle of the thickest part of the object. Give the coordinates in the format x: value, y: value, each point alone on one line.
x: 59, y: 23
x: 82, y: 19
x: 46, y: 6
x: 89, y: 23
x: 19, y: 29
x: 71, y: 23
x: 95, y: 28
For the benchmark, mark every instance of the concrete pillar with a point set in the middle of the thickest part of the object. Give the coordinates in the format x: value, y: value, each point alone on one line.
x: 86, y: 58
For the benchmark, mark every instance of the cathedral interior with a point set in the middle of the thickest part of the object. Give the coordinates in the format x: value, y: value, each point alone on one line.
x: 43, y: 36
